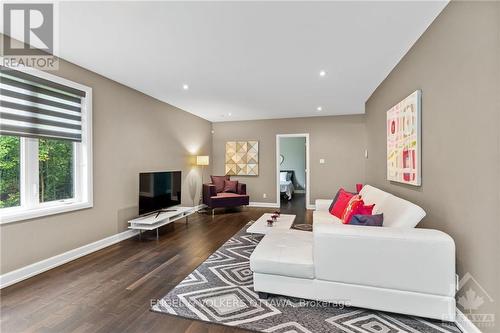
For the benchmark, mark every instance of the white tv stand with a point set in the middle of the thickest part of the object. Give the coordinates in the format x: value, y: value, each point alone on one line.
x: 152, y: 222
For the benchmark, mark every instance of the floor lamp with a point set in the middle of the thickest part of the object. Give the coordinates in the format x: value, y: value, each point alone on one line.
x: 202, y: 160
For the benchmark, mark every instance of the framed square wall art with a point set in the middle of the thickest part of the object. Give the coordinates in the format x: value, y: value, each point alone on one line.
x: 242, y: 158
x: 404, y: 128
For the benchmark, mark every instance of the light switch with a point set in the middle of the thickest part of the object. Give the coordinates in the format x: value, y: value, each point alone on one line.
x: 321, y: 161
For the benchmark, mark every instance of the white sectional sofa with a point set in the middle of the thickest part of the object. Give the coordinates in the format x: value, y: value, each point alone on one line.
x: 394, y: 268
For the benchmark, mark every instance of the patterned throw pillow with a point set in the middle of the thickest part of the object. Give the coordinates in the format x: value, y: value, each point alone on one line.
x: 341, y: 203
x: 376, y: 220
x: 230, y: 186
x: 352, y: 208
x: 218, y: 181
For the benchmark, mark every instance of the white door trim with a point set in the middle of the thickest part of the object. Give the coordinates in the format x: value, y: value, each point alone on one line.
x: 308, y: 182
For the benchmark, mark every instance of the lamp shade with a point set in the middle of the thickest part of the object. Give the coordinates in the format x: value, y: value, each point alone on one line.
x: 202, y: 160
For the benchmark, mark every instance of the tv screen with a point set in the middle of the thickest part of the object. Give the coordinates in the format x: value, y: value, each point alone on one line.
x: 159, y: 190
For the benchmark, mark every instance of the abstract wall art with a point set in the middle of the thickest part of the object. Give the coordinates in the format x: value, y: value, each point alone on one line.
x: 242, y: 158
x: 404, y: 163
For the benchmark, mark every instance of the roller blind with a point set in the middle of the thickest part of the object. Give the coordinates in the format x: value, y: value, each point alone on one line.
x: 31, y: 106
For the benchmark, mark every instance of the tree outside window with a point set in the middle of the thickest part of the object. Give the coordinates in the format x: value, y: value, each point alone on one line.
x: 10, y: 171
x: 55, y: 165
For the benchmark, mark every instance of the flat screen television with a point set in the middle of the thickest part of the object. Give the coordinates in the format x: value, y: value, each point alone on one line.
x: 159, y: 190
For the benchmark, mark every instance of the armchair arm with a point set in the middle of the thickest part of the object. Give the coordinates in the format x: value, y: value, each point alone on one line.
x: 406, y: 259
x: 208, y: 191
x: 323, y: 204
x: 242, y: 188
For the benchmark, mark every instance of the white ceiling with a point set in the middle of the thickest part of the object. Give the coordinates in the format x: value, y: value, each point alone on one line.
x: 253, y: 60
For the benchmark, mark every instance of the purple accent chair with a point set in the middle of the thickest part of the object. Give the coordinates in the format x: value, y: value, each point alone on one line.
x: 224, y: 200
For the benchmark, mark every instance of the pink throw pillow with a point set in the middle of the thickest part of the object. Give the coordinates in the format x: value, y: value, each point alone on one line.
x: 231, y: 186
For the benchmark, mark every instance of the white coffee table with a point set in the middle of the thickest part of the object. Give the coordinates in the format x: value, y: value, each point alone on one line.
x: 284, y: 222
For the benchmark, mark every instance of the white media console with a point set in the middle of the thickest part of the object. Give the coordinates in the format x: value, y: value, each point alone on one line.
x: 152, y: 222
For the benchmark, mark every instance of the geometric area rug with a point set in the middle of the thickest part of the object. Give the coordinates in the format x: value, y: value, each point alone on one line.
x: 220, y: 291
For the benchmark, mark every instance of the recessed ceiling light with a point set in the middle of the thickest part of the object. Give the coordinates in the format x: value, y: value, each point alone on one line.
x: 185, y: 87
x: 322, y: 73
x: 319, y: 108
x: 229, y: 114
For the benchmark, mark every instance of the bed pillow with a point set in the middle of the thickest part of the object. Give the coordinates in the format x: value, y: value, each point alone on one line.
x: 368, y: 220
x: 218, y: 181
x: 341, y: 203
x: 335, y: 199
x: 230, y: 186
x: 283, y: 176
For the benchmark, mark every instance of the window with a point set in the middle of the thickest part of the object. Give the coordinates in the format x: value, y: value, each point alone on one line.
x: 10, y: 171
x: 45, y: 145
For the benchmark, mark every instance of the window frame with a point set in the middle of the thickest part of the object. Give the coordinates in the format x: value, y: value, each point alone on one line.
x: 31, y: 207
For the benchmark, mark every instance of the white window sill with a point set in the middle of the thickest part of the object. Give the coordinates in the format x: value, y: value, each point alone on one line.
x: 16, y: 215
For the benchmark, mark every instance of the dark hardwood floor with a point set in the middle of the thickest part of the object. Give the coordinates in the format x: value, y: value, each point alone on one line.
x: 297, y: 206
x: 111, y: 290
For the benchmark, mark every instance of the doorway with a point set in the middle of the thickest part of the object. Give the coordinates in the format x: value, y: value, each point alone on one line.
x: 292, y: 172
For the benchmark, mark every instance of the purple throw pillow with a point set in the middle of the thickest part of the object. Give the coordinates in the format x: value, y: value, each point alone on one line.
x: 218, y: 181
x: 230, y: 186
x: 368, y: 220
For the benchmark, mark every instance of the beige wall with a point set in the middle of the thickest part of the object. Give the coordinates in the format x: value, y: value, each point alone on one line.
x: 456, y: 64
x: 132, y: 133
x: 339, y: 140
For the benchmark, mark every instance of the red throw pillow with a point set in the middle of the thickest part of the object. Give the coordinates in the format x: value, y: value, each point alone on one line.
x: 341, y: 203
x: 218, y: 181
x: 231, y: 186
x: 365, y: 210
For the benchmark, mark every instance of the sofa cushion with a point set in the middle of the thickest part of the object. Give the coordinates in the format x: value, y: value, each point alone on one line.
x: 218, y: 181
x: 321, y: 216
x: 372, y: 195
x: 399, y: 212
x: 226, y: 195
x: 230, y: 186
x: 222, y: 200
x: 286, y: 253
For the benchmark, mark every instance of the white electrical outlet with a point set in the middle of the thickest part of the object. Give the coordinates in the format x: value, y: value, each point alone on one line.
x: 264, y: 195
x: 321, y: 161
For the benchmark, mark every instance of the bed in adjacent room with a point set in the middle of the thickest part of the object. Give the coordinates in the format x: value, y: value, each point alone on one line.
x: 286, y: 183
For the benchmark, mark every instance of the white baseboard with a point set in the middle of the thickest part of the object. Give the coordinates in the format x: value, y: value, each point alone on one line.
x: 464, y: 323
x: 264, y: 204
x: 26, y: 272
